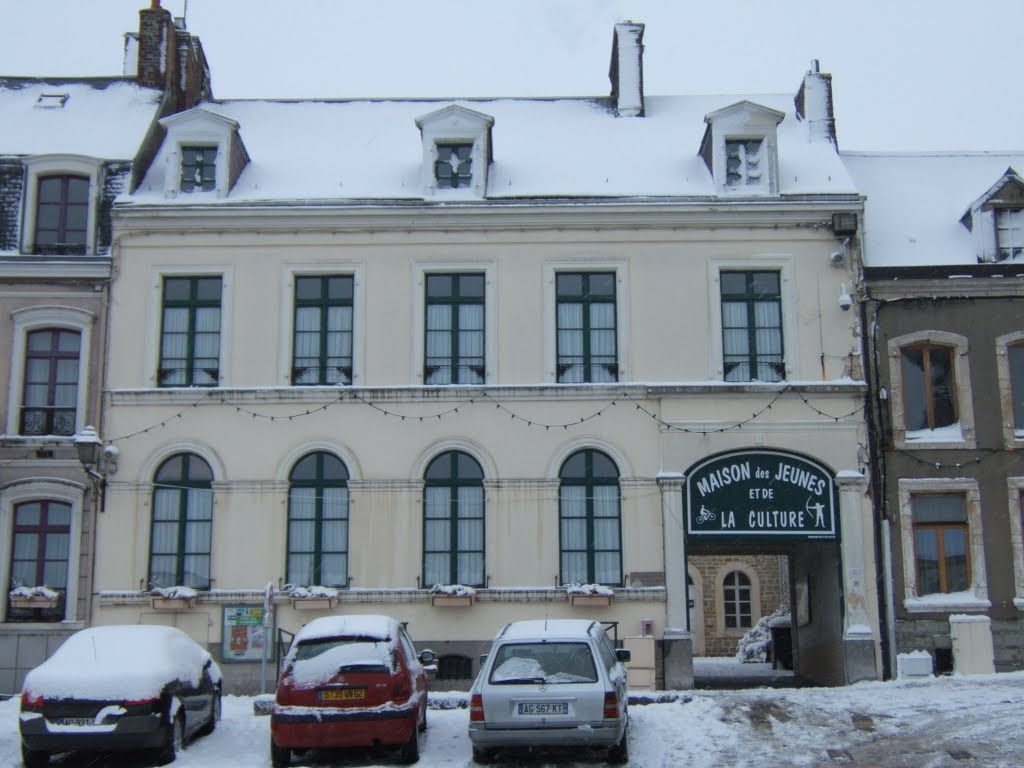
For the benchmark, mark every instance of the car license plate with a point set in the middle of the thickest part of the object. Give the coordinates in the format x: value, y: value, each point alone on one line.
x: 74, y: 721
x: 548, y: 708
x: 342, y: 694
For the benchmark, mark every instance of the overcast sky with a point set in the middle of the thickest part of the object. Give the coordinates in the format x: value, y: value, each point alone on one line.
x: 907, y: 74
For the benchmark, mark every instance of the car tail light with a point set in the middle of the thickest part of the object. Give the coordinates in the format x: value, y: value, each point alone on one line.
x: 611, y: 705
x: 28, y: 701
x: 476, y: 708
x: 143, y: 705
x: 403, y: 690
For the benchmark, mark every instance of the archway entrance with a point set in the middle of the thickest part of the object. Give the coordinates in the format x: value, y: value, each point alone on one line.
x: 762, y: 527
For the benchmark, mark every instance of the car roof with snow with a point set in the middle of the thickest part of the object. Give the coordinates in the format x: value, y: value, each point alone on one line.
x: 357, y: 625
x: 132, y: 661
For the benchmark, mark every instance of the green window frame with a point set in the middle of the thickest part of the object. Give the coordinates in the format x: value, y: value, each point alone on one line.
x: 453, y: 521
x: 590, y: 520
x: 182, y: 523
x: 318, y: 522
x: 190, y: 332
x: 942, y: 552
x: 198, y: 169
x: 752, y: 340
x: 62, y: 215
x: 455, y: 320
x: 40, y: 555
x: 49, y: 403
x: 322, y: 348
x: 929, y: 386
x: 736, y: 600
x: 586, y: 334
x: 453, y: 168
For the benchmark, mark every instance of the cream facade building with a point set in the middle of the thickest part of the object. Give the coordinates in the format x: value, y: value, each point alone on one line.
x: 461, y: 362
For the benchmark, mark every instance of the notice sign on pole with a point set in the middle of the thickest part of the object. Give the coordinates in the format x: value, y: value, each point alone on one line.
x: 760, y: 493
x: 245, y: 636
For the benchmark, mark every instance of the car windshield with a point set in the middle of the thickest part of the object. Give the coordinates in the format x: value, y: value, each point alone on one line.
x: 558, y: 662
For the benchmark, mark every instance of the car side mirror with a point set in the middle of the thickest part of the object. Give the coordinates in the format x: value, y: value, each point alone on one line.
x: 427, y: 656
x: 483, y: 659
x: 623, y: 655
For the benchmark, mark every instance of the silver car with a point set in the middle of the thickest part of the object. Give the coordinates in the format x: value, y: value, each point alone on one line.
x: 547, y: 684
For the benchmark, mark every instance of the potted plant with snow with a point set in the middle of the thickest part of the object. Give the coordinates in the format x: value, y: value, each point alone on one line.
x: 452, y: 595
x: 173, y: 598
x: 33, y: 597
x: 590, y: 595
x: 313, y: 598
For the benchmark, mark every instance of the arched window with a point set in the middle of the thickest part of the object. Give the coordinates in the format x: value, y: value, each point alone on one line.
x: 40, y: 556
x: 318, y: 522
x: 182, y: 521
x: 453, y: 521
x: 589, y: 520
x: 737, y: 600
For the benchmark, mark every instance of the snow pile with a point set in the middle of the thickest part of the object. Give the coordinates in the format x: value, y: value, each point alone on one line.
x: 33, y: 593
x: 457, y: 590
x: 311, y: 592
x: 753, y: 646
x: 588, y: 589
x: 174, y: 593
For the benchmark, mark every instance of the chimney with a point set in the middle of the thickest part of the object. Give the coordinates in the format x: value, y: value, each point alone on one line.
x: 814, y: 104
x: 156, y: 62
x: 627, y: 69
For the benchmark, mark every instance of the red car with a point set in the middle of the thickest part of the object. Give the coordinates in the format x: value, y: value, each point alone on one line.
x: 350, y: 681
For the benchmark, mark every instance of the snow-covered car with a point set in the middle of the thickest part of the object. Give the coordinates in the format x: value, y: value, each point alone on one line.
x: 550, y: 684
x: 350, y: 681
x: 120, y: 688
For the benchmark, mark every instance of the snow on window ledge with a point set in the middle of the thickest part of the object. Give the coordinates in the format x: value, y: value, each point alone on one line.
x: 952, y: 434
x: 947, y: 603
x: 1019, y: 602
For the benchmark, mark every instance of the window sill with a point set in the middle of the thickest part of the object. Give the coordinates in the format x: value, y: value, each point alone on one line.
x: 946, y: 604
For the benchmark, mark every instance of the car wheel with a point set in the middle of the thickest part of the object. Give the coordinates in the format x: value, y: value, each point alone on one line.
x: 175, y: 741
x: 411, y: 748
x: 279, y: 756
x: 215, y: 710
x: 483, y: 756
x: 33, y: 758
x: 619, y: 754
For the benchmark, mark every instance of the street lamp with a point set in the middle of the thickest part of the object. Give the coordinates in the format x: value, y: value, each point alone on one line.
x: 98, y: 461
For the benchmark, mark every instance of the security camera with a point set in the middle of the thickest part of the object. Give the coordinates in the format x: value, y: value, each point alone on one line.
x: 111, y: 452
x: 845, y: 300
x: 837, y: 258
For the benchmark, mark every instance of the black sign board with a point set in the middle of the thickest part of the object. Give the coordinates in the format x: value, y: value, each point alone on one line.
x: 760, y: 493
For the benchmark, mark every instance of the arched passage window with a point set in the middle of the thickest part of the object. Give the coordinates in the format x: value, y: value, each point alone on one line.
x: 318, y: 522
x: 737, y: 605
x: 453, y: 521
x: 182, y: 522
x: 589, y: 520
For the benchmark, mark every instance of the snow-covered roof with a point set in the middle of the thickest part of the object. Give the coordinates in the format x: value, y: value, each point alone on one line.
x: 100, y: 117
x: 118, y: 663
x: 915, y: 203
x: 542, y: 148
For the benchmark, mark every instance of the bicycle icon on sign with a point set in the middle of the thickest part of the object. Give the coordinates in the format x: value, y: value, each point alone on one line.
x: 705, y: 515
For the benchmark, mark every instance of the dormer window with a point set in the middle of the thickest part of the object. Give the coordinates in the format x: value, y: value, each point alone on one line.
x: 456, y: 152
x: 743, y: 162
x: 740, y: 148
x: 1009, y: 233
x: 62, y: 216
x: 454, y: 166
x: 203, y: 152
x: 198, y: 169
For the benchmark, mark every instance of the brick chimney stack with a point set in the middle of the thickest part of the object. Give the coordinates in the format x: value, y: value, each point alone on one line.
x: 627, y: 69
x: 157, y: 64
x: 814, y: 104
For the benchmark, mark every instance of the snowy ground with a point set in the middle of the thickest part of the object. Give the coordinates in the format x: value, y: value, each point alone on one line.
x: 935, y: 723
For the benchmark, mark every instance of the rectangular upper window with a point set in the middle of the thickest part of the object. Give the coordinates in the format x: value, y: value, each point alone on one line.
x: 929, y: 393
x: 752, y: 326
x: 50, y: 397
x: 743, y: 162
x: 1016, y: 356
x: 322, y: 350
x: 454, y: 329
x: 941, y: 551
x: 198, y: 169
x: 586, y: 333
x: 40, y: 556
x: 62, y: 215
x: 453, y: 167
x: 1009, y: 233
x: 190, y: 332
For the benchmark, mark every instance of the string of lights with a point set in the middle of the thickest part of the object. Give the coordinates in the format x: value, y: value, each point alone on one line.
x: 987, y: 453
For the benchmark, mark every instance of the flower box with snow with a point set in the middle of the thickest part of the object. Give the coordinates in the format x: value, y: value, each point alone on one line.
x: 589, y: 595
x: 452, y: 595
x: 173, y: 598
x: 590, y: 600
x: 33, y: 597
x: 313, y: 598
